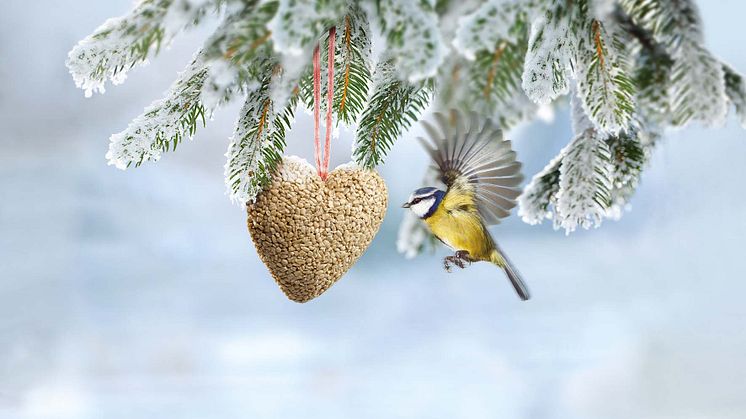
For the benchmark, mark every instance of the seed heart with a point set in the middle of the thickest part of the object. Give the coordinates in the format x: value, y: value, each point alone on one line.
x: 310, y: 232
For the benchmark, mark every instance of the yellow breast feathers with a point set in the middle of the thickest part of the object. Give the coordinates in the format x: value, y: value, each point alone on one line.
x: 457, y: 223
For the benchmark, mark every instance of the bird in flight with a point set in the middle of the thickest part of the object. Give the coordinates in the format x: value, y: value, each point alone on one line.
x: 482, y: 175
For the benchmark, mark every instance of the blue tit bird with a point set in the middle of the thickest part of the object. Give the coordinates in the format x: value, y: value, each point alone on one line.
x: 482, y: 176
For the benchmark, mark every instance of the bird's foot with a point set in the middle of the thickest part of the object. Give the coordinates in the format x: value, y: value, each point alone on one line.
x: 460, y: 259
x: 463, y: 255
x: 448, y: 263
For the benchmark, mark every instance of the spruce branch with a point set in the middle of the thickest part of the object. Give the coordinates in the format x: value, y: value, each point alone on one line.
x: 551, y: 48
x: 486, y: 85
x: 393, y: 106
x: 735, y: 88
x: 492, y: 23
x: 493, y: 39
x: 299, y: 23
x: 235, y: 49
x: 352, y: 72
x: 165, y: 123
x: 605, y: 89
x: 697, y: 87
x: 671, y: 23
x: 353, y: 55
x: 584, y: 193
x: 652, y: 77
x: 495, y: 75
x: 638, y: 66
x: 628, y: 157
x: 258, y: 143
x: 592, y: 178
x: 413, y: 39
x: 122, y: 43
x: 539, y: 198
x: 168, y: 121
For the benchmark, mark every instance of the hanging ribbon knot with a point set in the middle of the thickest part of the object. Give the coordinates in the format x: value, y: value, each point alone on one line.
x: 322, y: 156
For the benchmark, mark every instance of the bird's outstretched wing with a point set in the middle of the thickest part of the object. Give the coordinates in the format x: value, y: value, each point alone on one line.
x: 471, y: 154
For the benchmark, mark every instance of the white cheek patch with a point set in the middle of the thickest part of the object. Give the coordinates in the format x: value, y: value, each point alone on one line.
x: 421, y: 208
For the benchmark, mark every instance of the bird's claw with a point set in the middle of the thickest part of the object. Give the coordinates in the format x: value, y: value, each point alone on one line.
x: 460, y: 259
x: 447, y: 264
x: 463, y: 256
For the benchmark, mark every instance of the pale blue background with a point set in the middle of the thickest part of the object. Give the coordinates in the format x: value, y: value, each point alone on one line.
x: 139, y: 295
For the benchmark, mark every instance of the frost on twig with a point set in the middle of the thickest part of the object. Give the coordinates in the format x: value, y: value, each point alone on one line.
x: 697, y: 83
x: 168, y: 121
x: 163, y: 124
x: 413, y: 39
x: 122, y: 43
x: 299, y: 23
x: 393, y: 106
x: 629, y: 153
x: 735, y: 88
x: 257, y: 145
x: 352, y: 68
x: 603, y: 84
x: 237, y: 51
x: 591, y: 179
x: 584, y: 183
x: 539, y: 198
x: 638, y: 67
x: 697, y: 90
x: 491, y: 23
x: 551, y: 47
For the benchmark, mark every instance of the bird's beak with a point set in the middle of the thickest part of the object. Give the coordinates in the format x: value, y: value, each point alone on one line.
x: 406, y: 205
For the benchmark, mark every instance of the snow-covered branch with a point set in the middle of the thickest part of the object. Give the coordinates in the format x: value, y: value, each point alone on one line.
x: 122, y: 43
x: 258, y: 143
x: 413, y: 39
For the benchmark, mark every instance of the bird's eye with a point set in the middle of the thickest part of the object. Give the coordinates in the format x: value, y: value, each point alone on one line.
x: 416, y: 200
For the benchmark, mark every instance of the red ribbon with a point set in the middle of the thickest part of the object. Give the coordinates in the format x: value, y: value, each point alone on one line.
x: 322, y: 167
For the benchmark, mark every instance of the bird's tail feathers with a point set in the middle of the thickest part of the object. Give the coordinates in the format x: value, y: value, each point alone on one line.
x: 500, y: 259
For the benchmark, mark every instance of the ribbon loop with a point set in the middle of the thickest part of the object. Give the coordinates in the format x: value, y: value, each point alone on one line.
x: 322, y: 163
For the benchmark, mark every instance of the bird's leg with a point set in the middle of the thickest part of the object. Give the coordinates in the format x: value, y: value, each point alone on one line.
x: 464, y: 258
x: 460, y: 259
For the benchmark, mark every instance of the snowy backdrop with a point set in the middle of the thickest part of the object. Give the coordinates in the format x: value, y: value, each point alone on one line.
x: 138, y: 294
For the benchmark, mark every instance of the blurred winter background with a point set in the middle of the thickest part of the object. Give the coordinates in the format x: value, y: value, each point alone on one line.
x: 138, y: 294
